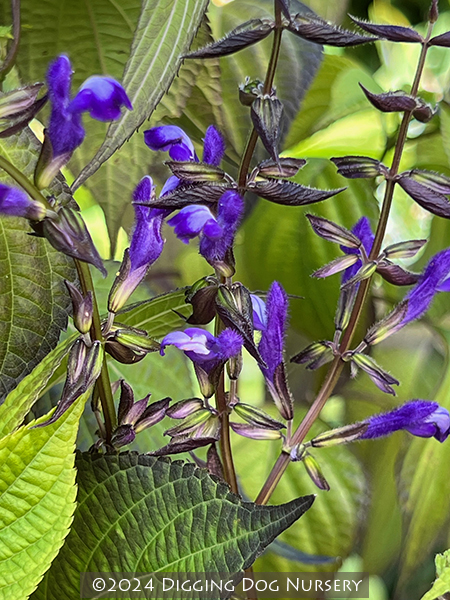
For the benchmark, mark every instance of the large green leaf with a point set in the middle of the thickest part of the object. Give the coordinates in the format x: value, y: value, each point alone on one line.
x: 281, y: 238
x: 37, y: 500
x: 34, y: 302
x: 164, y: 516
x: 164, y: 33
x: 157, y: 315
x: 21, y: 399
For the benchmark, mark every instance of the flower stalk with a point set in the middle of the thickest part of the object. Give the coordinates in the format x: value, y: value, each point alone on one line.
x: 337, y: 365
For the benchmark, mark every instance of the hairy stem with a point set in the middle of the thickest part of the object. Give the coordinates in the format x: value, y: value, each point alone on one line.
x: 268, y: 83
x: 103, y: 384
x: 337, y: 365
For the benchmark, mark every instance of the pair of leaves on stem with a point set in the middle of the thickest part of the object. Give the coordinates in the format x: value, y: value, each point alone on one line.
x: 427, y: 188
x: 205, y: 184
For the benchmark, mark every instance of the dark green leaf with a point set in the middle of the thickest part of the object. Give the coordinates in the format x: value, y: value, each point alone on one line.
x: 131, y: 502
x: 34, y: 303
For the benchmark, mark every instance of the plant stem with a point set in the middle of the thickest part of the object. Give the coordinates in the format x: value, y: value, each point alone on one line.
x: 337, y: 365
x: 103, y: 383
x: 268, y: 83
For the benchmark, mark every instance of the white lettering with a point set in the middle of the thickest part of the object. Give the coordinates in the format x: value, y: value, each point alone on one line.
x: 357, y: 583
x: 274, y: 589
x: 294, y: 585
x: 250, y: 583
x: 166, y: 589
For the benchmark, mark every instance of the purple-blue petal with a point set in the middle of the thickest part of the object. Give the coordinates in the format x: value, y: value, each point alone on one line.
x: 102, y: 97
x: 214, y: 146
x: 171, y: 183
x: 65, y: 130
x: 16, y: 203
x: 170, y: 138
x: 259, y: 312
x: 363, y: 231
x: 420, y: 417
x: 229, y: 344
x: 272, y: 340
x: 229, y: 212
x: 191, y: 220
x: 433, y: 279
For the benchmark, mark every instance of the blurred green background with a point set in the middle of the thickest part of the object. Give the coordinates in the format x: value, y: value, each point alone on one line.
x: 388, y: 508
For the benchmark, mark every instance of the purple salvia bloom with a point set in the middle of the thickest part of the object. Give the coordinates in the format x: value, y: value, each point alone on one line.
x: 214, y: 146
x: 434, y: 279
x: 272, y: 340
x: 229, y: 213
x: 419, y: 417
x: 202, y: 347
x: 193, y: 219
x: 146, y: 244
x: 16, y: 203
x: 363, y: 231
x: 173, y: 139
x: 102, y: 97
x: 259, y: 313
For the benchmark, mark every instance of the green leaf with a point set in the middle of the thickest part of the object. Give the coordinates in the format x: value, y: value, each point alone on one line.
x: 20, y: 400
x: 164, y: 516
x: 330, y: 527
x: 37, y: 500
x: 442, y: 584
x: 298, y: 63
x: 164, y: 33
x: 34, y: 303
x: 157, y: 315
x: 281, y: 238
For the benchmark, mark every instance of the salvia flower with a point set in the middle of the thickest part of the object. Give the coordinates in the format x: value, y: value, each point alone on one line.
x: 172, y: 139
x: 420, y: 417
x: 216, y: 233
x: 202, y: 347
x: 271, y: 349
x: 259, y: 312
x: 146, y: 246
x: 101, y: 97
x: 435, y: 278
x: 363, y: 232
x: 16, y: 203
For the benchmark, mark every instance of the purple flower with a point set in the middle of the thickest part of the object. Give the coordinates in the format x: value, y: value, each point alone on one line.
x: 259, y: 313
x: 146, y: 245
x: 16, y: 203
x: 434, y: 279
x: 271, y: 348
x: 229, y: 213
x: 102, y: 97
x: 363, y: 231
x: 172, y: 139
x: 203, y: 347
x: 194, y: 219
x: 419, y: 417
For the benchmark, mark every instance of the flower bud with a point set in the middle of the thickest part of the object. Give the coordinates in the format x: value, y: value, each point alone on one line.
x: 137, y: 340
x: 379, y: 376
x: 185, y: 408
x: 255, y: 433
x: 404, y: 249
x: 82, y: 308
x: 316, y: 354
x: 190, y: 424
x: 256, y: 417
x: 332, y: 232
x: 315, y: 472
x: 337, y: 265
x: 123, y: 436
x: 48, y: 165
x: 344, y: 308
x: 298, y: 453
x: 284, y: 168
x: 17, y: 101
x: 341, y: 435
x: 364, y: 272
x: 76, y: 360
x: 389, y: 325
x: 207, y: 386
x: 195, y: 172
x: 202, y: 296
x: 249, y: 90
x: 67, y: 232
x: 234, y: 366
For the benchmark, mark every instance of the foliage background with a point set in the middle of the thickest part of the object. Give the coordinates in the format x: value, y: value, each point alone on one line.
x: 388, y: 507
